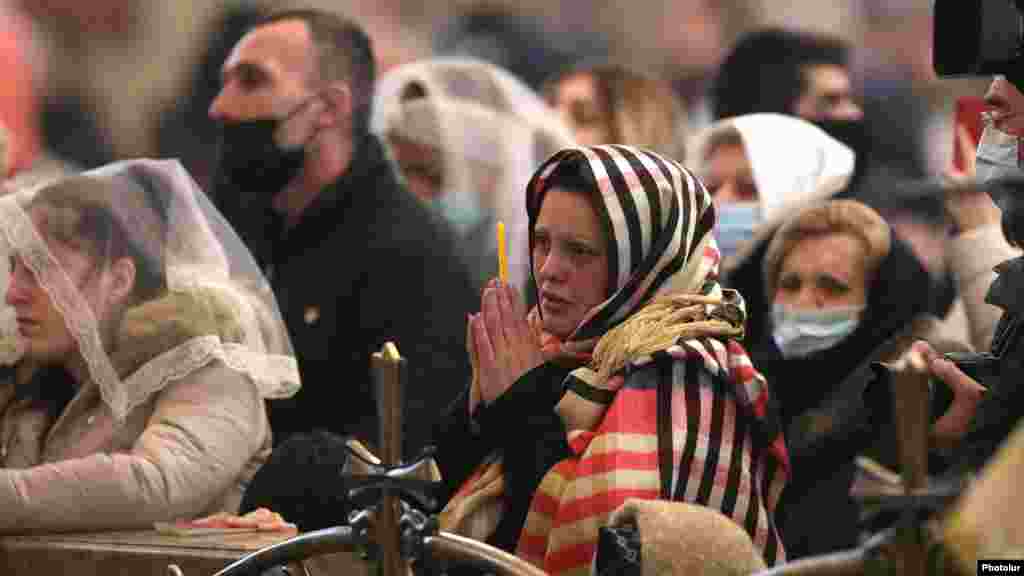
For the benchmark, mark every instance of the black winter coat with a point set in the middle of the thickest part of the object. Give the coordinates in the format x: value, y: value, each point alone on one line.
x: 1002, y: 406
x: 523, y: 427
x: 368, y: 264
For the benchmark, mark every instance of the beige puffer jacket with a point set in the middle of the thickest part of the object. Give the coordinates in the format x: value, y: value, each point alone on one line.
x: 189, y: 450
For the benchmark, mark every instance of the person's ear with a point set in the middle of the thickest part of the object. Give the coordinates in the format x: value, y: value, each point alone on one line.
x: 339, y: 105
x: 122, y: 279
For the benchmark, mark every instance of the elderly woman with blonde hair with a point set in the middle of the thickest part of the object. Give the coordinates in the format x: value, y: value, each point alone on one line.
x: 842, y: 296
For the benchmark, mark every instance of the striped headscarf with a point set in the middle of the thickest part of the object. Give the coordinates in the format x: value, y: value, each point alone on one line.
x: 658, y: 217
x: 667, y: 311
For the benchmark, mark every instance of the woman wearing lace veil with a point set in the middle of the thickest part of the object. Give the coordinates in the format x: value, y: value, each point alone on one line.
x: 152, y: 341
x: 466, y: 135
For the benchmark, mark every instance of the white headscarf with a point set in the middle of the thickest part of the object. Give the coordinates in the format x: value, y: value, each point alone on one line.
x: 490, y: 127
x: 793, y: 161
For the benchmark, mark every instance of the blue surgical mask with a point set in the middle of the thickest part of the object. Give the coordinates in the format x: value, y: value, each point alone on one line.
x: 735, y: 226
x: 997, y: 156
x: 461, y: 211
x: 800, y: 333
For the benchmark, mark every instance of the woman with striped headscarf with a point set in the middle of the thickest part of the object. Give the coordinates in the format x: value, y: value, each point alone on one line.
x: 573, y: 404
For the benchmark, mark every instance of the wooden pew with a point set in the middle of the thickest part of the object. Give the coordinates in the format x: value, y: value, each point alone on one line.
x: 147, y: 553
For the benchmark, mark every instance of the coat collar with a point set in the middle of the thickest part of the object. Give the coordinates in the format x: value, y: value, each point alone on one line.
x: 1007, y: 290
x: 348, y: 200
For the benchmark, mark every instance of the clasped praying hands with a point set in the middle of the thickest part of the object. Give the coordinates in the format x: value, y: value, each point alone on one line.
x: 502, y: 342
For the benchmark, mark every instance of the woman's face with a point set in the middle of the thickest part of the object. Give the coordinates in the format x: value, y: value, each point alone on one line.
x: 826, y: 271
x: 41, y: 326
x: 576, y: 100
x: 570, y: 260
x: 728, y: 175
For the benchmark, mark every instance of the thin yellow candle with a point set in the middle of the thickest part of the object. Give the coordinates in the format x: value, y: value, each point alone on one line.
x: 502, y: 256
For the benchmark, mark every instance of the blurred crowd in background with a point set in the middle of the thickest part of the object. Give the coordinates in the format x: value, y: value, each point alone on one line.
x: 785, y: 110
x: 126, y: 78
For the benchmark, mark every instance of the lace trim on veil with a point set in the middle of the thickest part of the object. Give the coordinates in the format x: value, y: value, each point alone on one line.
x: 275, y: 375
x: 22, y: 237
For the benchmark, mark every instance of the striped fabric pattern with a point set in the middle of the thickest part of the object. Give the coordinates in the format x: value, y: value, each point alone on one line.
x: 728, y: 449
x: 658, y: 215
x: 727, y: 456
x: 729, y: 452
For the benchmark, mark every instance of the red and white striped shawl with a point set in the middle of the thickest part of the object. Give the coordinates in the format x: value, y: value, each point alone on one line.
x: 728, y: 456
x: 729, y: 453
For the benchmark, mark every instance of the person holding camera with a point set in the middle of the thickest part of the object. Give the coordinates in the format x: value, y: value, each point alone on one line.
x: 982, y: 419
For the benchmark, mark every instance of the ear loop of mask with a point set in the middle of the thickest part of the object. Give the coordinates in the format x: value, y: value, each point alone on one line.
x: 298, y: 109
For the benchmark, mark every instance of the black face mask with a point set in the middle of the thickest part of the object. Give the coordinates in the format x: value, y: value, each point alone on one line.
x: 249, y: 161
x: 251, y: 170
x: 853, y: 133
x: 251, y: 164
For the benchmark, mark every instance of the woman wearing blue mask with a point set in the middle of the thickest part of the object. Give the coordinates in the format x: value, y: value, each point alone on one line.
x: 762, y: 168
x: 759, y: 167
x: 466, y: 136
x: 818, y: 268
x: 842, y: 293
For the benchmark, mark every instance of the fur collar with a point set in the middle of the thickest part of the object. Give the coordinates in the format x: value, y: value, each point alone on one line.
x: 156, y: 326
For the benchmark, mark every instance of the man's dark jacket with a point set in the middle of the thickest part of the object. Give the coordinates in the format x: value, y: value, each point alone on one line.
x: 368, y: 264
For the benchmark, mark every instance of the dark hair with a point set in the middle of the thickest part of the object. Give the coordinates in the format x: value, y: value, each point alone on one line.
x: 83, y: 215
x: 344, y: 54
x: 519, y: 43
x: 765, y: 71
x: 574, y: 175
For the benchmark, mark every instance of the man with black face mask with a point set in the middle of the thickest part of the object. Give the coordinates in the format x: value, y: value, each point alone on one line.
x: 1000, y: 172
x: 806, y: 74
x: 354, y: 259
x: 794, y: 73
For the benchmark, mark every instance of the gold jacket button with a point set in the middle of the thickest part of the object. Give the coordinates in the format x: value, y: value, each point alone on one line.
x: 311, y: 315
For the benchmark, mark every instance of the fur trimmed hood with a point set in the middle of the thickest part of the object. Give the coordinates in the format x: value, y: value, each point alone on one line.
x: 155, y: 326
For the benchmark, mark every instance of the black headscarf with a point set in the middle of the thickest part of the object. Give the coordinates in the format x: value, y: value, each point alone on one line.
x: 894, y: 300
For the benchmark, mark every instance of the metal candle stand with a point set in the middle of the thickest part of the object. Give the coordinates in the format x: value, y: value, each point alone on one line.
x: 390, y: 523
x: 388, y: 528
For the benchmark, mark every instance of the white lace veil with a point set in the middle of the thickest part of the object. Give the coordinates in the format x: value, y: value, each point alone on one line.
x: 47, y: 171
x: 213, y: 302
x: 491, y: 128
